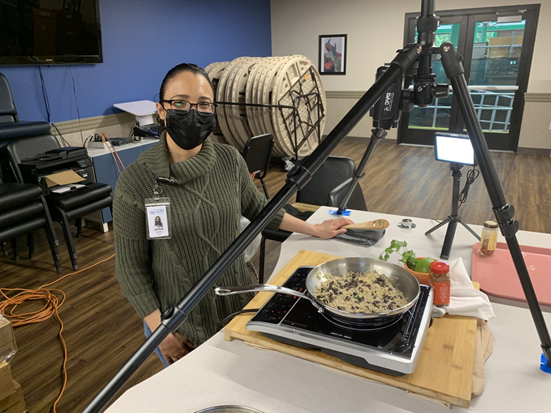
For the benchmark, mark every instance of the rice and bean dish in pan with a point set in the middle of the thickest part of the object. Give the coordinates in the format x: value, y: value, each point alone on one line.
x: 360, y: 292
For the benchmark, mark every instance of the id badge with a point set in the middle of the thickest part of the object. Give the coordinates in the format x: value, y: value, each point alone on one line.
x: 157, y: 216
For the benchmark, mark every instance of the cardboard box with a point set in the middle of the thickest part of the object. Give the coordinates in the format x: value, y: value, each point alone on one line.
x: 6, y: 382
x: 7, y: 340
x: 14, y: 402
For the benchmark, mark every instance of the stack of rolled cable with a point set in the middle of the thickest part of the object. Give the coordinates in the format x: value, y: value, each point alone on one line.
x: 291, y: 91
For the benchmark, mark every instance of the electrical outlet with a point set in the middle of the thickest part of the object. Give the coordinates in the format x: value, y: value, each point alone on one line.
x: 550, y: 126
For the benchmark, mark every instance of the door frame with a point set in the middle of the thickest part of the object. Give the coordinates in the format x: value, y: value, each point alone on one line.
x: 530, y: 13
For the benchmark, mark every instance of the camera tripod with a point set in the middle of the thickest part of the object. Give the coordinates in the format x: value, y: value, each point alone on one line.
x: 454, y: 218
x: 424, y: 92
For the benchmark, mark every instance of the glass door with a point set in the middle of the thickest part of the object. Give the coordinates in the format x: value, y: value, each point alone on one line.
x: 492, y: 71
x: 497, y: 47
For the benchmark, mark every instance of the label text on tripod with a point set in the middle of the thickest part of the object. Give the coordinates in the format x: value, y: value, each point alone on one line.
x: 388, y: 101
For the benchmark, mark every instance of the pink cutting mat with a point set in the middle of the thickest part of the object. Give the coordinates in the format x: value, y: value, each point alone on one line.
x: 498, y: 277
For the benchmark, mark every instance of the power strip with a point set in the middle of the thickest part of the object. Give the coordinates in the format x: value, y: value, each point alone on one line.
x: 99, y: 145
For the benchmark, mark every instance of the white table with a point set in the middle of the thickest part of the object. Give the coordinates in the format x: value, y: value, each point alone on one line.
x: 221, y: 372
x: 423, y: 245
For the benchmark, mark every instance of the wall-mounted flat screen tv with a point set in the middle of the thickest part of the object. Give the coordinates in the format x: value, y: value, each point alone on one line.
x: 49, y: 32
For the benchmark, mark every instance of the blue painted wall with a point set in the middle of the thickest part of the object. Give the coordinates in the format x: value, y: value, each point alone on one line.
x: 142, y: 40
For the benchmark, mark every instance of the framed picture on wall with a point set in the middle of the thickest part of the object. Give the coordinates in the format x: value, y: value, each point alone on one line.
x: 332, y: 54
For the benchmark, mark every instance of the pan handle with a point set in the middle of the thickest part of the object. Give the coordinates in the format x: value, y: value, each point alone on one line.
x: 265, y: 288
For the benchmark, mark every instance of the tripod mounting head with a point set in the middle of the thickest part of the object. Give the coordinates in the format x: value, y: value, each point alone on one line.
x: 424, y: 87
x: 398, y: 97
x: 456, y: 168
x: 425, y: 90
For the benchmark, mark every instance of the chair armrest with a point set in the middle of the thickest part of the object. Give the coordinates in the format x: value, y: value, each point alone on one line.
x: 276, y: 235
x: 305, y: 207
x: 356, y: 201
x: 23, y: 129
x: 337, y: 194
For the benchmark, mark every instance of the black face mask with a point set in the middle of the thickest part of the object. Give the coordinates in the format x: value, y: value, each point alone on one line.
x: 189, y: 129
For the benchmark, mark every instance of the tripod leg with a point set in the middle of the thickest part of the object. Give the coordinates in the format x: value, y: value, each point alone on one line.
x: 448, y: 240
x: 470, y: 230
x: 376, y: 135
x: 454, y: 217
x: 504, y: 213
x: 438, y: 226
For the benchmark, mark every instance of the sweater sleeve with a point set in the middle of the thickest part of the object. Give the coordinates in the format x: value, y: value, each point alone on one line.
x: 252, y: 201
x: 132, y: 259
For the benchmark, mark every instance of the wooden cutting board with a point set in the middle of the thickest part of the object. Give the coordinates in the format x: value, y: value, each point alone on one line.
x: 444, y: 372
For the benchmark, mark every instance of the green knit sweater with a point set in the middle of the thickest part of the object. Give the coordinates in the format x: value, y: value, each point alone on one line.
x: 212, y: 190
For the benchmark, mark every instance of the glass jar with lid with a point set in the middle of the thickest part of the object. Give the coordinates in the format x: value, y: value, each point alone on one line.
x: 488, y: 239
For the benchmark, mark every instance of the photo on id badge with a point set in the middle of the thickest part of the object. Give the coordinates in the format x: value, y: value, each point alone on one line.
x: 157, y: 221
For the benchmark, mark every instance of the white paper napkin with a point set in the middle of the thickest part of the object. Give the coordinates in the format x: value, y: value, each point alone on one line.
x: 464, y: 298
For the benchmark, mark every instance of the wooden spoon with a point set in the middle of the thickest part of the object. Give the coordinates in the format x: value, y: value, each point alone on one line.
x: 375, y: 224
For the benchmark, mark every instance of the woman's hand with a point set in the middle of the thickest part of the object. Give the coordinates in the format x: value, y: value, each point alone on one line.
x: 332, y: 227
x: 175, y: 346
x: 329, y: 228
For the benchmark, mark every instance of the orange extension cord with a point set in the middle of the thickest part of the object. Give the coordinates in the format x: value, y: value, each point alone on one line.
x: 53, y: 298
x: 113, y: 151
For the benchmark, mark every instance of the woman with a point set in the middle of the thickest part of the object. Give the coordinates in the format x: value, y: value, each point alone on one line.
x: 209, y: 188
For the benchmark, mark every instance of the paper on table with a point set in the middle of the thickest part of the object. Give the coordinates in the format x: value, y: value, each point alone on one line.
x: 464, y: 298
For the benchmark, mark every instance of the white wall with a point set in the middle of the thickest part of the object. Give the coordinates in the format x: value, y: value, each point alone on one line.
x: 375, y: 30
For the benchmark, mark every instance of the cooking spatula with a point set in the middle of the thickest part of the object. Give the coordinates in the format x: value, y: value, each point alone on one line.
x: 375, y: 224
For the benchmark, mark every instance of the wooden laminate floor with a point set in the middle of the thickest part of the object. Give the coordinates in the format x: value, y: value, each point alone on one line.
x: 102, y: 330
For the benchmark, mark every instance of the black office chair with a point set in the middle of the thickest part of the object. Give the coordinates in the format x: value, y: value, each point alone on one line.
x: 9, y: 121
x: 10, y: 125
x: 22, y: 211
x: 257, y: 153
x: 328, y: 187
x: 65, y: 207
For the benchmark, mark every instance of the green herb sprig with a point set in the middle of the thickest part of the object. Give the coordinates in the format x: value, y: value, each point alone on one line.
x: 400, y: 247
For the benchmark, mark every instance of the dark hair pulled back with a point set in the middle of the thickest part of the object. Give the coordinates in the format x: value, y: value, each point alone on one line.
x: 182, y: 67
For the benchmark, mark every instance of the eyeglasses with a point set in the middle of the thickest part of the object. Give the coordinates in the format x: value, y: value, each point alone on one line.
x: 204, y: 108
